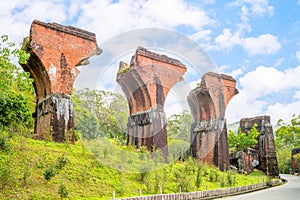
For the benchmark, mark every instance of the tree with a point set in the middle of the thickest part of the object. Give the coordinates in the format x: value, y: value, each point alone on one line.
x: 287, y: 138
x: 85, y: 122
x: 100, y: 114
x: 16, y: 90
x: 178, y: 129
x: 284, y: 159
x: 288, y: 134
x: 179, y: 126
x: 243, y: 141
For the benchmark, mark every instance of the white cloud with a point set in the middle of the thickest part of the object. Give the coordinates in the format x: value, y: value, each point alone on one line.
x: 283, y: 111
x: 208, y: 1
x: 236, y: 73
x: 16, y: 19
x: 105, y: 18
x: 222, y: 68
x: 179, y: 12
x: 257, y: 7
x: 45, y: 10
x: 259, y: 83
x: 176, y: 100
x: 225, y: 69
x: 263, y: 44
x: 202, y: 35
x: 227, y: 39
x: 266, y: 80
x: 240, y: 106
x: 279, y: 61
x: 297, y: 95
x: 7, y: 5
x: 244, y: 24
x: 109, y: 19
x: 298, y: 55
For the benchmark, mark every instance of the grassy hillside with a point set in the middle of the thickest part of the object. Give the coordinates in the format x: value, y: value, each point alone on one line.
x: 77, y: 173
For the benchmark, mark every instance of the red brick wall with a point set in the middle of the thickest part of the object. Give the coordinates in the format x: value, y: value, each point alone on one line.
x: 146, y: 85
x: 266, y: 145
x: 49, y: 42
x: 55, y: 51
x: 208, y: 105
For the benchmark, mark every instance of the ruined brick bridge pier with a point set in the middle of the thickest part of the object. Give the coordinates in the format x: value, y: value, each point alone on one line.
x: 208, y: 103
x: 55, y: 52
x: 146, y: 82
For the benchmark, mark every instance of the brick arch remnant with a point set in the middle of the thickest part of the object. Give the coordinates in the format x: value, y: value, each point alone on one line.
x: 146, y: 82
x: 55, y: 52
x: 208, y: 103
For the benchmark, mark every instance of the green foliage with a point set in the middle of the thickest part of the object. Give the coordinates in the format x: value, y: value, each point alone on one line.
x: 4, y: 145
x: 16, y: 90
x: 90, y: 176
x: 297, y: 159
x: 183, y: 179
x: 50, y: 173
x: 54, y: 169
x: 179, y: 135
x: 124, y: 70
x: 212, y: 176
x: 26, y: 173
x: 243, y: 141
x: 179, y: 126
x: 61, y: 162
x: 288, y: 134
x: 284, y: 159
x: 178, y: 149
x: 100, y: 114
x: 231, y: 180
x: 63, y: 191
x: 6, y: 174
x: 14, y: 108
x: 199, y: 175
x: 287, y: 138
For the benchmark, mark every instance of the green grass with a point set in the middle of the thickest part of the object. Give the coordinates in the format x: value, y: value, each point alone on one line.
x: 98, y: 168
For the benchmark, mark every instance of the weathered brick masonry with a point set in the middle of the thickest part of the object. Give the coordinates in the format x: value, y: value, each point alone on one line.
x: 266, y: 146
x: 245, y: 162
x: 146, y: 83
x: 294, y: 167
x: 55, y: 51
x: 208, y: 132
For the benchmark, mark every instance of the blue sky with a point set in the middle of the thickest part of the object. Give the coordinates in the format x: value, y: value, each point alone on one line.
x: 255, y: 41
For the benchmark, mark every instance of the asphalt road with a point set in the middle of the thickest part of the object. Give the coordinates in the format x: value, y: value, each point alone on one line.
x: 288, y: 191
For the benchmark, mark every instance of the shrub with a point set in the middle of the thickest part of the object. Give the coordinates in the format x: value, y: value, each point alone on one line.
x: 198, y: 176
x: 49, y: 173
x: 63, y: 191
x: 231, y: 179
x: 6, y: 175
x: 61, y: 162
x: 26, y: 173
x: 4, y: 144
x: 212, y: 176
